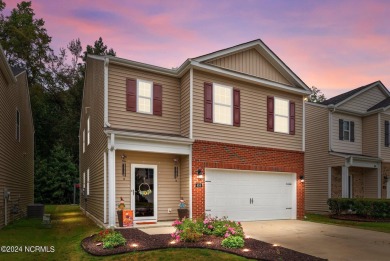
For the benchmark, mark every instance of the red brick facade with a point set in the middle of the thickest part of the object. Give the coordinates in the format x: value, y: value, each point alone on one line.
x: 207, y: 154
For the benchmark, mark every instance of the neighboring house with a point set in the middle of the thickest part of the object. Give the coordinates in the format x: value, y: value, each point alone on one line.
x: 16, y: 143
x: 347, y: 147
x: 224, y: 131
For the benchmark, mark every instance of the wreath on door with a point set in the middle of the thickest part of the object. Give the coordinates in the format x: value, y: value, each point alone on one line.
x: 144, y: 189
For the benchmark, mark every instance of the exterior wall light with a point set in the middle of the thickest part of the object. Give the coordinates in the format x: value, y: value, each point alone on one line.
x: 302, y: 178
x: 200, y: 173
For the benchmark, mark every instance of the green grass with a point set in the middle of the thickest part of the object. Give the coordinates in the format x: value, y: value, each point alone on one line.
x: 375, y: 226
x: 69, y: 227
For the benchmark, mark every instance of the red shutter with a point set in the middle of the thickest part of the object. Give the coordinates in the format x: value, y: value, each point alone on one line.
x: 131, y: 95
x: 270, y: 113
x: 236, y: 107
x: 292, y: 118
x: 157, y: 99
x: 208, y: 102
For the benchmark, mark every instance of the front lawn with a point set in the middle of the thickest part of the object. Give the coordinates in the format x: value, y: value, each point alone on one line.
x: 69, y: 227
x: 375, y: 226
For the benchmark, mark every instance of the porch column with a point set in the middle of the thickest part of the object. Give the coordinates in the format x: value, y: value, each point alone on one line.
x: 111, y: 187
x: 344, y: 181
x: 379, y: 175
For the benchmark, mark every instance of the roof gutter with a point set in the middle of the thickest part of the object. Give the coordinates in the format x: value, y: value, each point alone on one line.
x: 106, y: 62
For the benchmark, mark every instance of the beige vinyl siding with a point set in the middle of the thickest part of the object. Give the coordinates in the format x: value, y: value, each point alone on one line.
x: 371, y: 183
x: 346, y: 146
x: 120, y: 118
x: 364, y: 101
x: 370, y: 135
x: 93, y: 157
x: 185, y: 105
x: 317, y: 158
x: 250, y: 62
x: 185, y: 180
x: 169, y: 190
x: 385, y: 151
x: 16, y: 158
x: 253, y: 129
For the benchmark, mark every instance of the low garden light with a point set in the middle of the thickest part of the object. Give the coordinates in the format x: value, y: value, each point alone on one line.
x: 134, y: 245
x: 172, y: 242
x: 209, y: 243
x: 275, y: 245
x: 302, y: 178
x: 245, y: 250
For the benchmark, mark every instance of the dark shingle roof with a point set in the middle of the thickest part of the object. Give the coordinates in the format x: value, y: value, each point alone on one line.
x: 382, y: 104
x: 17, y: 70
x: 339, y: 98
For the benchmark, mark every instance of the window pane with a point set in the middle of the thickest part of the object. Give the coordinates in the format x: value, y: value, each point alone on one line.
x: 346, y: 135
x: 222, y: 114
x: 144, y: 89
x: 281, y: 107
x: 346, y: 125
x: 144, y: 105
x: 223, y: 95
x: 281, y: 124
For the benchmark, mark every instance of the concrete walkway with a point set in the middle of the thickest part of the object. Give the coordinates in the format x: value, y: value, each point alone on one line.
x: 321, y: 240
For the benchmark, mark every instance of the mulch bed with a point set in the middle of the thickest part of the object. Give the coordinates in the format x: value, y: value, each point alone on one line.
x: 257, y: 249
x: 354, y: 217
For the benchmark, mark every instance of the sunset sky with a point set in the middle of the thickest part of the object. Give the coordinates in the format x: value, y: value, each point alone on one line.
x: 333, y: 45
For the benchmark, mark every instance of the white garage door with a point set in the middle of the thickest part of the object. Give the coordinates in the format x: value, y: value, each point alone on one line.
x: 250, y: 195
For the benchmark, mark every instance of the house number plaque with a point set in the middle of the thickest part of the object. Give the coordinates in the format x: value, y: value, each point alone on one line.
x: 198, y: 185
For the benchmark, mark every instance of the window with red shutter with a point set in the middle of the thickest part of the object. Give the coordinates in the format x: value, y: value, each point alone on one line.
x: 131, y: 95
x: 236, y: 108
x: 208, y: 102
x: 292, y: 118
x: 270, y: 113
x: 157, y: 99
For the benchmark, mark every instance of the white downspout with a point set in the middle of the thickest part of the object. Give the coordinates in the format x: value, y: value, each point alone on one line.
x: 111, y: 182
x: 106, y: 123
x: 191, y: 101
x: 190, y: 181
x: 105, y: 188
x: 304, y: 125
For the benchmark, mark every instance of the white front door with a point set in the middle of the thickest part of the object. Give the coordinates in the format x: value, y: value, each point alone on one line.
x: 250, y: 195
x: 144, y: 191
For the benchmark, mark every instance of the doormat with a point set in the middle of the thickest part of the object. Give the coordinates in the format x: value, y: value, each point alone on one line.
x: 146, y: 223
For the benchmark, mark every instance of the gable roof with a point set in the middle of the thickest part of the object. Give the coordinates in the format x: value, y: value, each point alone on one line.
x: 265, y: 51
x: 297, y: 85
x: 383, y: 104
x: 341, y: 98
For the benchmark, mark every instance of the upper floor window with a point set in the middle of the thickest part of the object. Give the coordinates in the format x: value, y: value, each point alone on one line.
x: 17, y: 125
x: 346, y: 130
x: 143, y: 96
x: 280, y: 115
x: 223, y: 104
x: 88, y: 130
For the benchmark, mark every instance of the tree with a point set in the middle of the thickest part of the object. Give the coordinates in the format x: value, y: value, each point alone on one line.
x: 99, y: 48
x: 25, y: 41
x: 317, y: 96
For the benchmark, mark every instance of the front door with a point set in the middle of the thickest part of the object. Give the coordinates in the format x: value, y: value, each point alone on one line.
x: 144, y: 191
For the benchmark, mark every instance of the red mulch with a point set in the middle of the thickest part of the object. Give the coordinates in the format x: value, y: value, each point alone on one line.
x: 257, y: 249
x: 354, y: 217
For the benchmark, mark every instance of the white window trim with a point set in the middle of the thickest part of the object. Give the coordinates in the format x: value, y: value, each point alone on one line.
x: 83, y: 141
x: 215, y: 103
x: 83, y: 180
x: 88, y: 130
x: 17, y: 134
x: 151, y: 96
x: 277, y: 115
x: 88, y: 182
x: 349, y: 131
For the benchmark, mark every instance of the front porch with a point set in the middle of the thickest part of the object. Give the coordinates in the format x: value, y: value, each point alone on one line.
x: 359, y: 177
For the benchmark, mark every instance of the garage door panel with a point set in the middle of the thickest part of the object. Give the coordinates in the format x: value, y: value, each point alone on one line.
x: 245, y: 195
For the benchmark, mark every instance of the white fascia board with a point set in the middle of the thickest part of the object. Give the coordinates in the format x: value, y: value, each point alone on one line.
x: 248, y: 78
x: 316, y: 104
x: 106, y: 123
x: 127, y: 143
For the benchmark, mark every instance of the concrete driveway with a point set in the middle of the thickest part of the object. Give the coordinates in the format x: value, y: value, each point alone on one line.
x: 326, y: 241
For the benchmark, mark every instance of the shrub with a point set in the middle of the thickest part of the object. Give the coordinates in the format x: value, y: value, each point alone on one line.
x: 377, y: 208
x: 102, y: 234
x: 233, y: 242
x: 222, y: 227
x: 113, y: 240
x: 187, y: 230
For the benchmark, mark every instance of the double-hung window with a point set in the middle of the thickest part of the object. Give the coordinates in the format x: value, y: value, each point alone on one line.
x: 346, y: 130
x: 281, y: 115
x: 144, y: 96
x: 223, y: 104
x: 88, y: 130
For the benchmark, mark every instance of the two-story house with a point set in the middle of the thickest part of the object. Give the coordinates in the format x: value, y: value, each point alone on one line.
x: 347, y: 147
x: 224, y: 131
x: 16, y: 143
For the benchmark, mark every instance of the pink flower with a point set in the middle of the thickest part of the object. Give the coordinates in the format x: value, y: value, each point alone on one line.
x: 239, y: 223
x: 227, y: 234
x: 178, y: 238
x: 210, y: 226
x: 173, y: 235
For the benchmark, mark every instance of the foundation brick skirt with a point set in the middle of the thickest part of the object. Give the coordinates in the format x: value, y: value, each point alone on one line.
x: 207, y: 154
